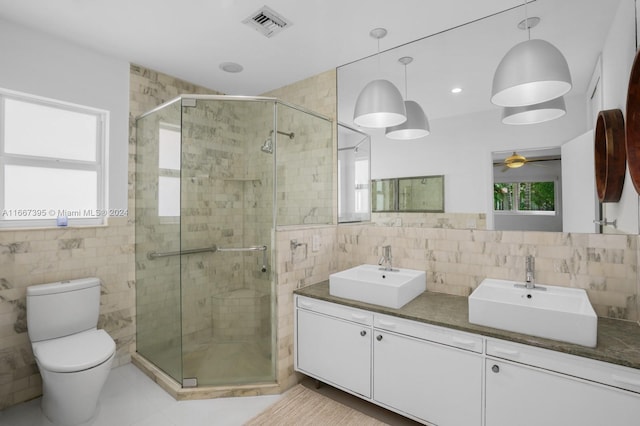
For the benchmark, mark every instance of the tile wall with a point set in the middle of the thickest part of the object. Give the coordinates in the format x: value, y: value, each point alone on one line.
x: 40, y: 256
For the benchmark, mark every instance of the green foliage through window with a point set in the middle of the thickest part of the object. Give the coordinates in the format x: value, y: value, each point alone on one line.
x: 524, y: 196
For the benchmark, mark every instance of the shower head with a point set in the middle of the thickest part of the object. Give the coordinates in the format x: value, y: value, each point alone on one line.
x: 267, y: 146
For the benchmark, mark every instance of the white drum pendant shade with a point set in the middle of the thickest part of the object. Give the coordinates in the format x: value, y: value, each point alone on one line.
x: 379, y: 104
x: 533, y: 114
x: 532, y: 72
x: 416, y: 126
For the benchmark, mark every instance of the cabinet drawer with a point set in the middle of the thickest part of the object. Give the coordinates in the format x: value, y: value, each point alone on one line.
x: 334, y: 310
x: 429, y: 332
x: 589, y: 369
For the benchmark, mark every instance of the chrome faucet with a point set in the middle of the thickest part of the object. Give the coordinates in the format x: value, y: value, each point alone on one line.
x: 529, y: 278
x: 529, y: 281
x: 385, y: 260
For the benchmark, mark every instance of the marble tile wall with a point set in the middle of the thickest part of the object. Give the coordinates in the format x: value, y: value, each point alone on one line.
x: 431, y: 220
x: 457, y: 260
x: 38, y: 256
x: 316, y: 165
x: 297, y: 268
x: 304, y: 168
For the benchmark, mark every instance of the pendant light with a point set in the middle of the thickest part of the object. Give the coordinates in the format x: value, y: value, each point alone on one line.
x: 380, y: 103
x: 417, y: 124
x: 533, y: 114
x: 532, y: 72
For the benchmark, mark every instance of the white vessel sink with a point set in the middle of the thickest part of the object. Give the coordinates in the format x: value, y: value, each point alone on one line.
x: 370, y: 284
x: 557, y: 313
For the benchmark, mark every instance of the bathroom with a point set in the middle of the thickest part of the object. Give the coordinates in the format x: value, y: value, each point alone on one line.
x: 30, y: 257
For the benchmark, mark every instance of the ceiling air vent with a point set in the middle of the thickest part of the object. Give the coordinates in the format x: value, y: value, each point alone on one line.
x: 267, y: 21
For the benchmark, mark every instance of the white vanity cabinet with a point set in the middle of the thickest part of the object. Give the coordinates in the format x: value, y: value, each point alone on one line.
x: 333, y: 344
x: 447, y: 377
x: 531, y: 391
x: 421, y: 371
x: 427, y: 380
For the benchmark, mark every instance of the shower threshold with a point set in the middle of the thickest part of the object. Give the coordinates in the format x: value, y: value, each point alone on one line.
x: 179, y: 393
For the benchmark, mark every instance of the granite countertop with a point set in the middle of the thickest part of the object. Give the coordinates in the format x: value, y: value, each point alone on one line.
x: 618, y: 341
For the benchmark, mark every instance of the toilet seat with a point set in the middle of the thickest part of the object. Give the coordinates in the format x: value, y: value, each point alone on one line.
x: 77, y: 352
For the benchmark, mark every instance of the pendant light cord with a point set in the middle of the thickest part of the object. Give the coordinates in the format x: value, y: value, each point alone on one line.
x: 378, y: 55
x: 526, y: 19
x: 405, y: 81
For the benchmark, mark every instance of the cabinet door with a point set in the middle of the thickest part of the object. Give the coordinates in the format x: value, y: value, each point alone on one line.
x: 433, y: 382
x: 523, y: 396
x: 334, y: 351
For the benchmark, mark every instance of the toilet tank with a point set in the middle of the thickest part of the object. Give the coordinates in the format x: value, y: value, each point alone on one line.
x: 62, y: 308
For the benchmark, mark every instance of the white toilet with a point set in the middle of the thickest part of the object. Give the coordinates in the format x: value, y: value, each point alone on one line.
x: 73, y: 356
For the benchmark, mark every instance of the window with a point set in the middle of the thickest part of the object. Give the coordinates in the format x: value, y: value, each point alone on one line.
x: 52, y: 162
x: 362, y: 186
x: 169, y: 171
x: 525, y: 197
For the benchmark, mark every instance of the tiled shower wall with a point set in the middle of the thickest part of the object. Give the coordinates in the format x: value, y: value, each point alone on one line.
x: 304, y: 168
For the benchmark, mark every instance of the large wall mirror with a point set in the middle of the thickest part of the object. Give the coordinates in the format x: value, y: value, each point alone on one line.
x: 469, y: 144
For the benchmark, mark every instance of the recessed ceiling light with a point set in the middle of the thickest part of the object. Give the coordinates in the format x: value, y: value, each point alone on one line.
x: 456, y: 90
x: 231, y: 67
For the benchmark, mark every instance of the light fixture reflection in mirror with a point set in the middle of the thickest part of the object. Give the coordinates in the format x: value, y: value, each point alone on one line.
x: 534, y: 114
x: 531, y: 72
x: 417, y: 124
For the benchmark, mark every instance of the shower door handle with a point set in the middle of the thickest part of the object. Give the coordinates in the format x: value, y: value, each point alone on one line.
x: 263, y: 249
x: 154, y: 255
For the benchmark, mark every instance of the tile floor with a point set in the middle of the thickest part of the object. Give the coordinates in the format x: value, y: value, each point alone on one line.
x: 130, y: 398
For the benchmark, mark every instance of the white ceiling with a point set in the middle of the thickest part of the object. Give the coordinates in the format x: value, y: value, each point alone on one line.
x: 190, y: 38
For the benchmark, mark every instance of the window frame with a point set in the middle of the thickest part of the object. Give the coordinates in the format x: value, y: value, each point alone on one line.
x: 99, y: 165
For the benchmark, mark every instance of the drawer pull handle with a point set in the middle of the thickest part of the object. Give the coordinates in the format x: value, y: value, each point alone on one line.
x: 358, y: 317
x: 495, y: 368
x: 463, y: 342
x: 625, y: 380
x: 379, y: 337
x: 507, y: 352
x: 387, y: 324
x: 363, y: 333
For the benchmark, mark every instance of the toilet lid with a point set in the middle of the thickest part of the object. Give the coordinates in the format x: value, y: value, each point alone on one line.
x: 74, y: 353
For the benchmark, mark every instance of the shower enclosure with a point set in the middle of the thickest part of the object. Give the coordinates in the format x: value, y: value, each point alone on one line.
x: 214, y: 176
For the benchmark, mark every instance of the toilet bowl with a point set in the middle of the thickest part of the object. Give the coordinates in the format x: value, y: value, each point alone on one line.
x: 73, y: 356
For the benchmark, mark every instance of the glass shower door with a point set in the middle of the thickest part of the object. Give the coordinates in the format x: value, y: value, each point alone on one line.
x: 226, y: 200
x: 158, y: 312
